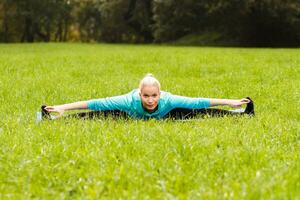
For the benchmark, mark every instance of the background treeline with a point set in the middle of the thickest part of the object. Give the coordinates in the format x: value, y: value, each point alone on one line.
x: 199, y: 22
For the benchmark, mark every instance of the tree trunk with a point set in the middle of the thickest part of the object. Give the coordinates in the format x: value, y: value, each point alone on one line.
x: 48, y: 31
x: 66, y: 25
x: 28, y: 35
x: 130, y: 10
x: 58, y: 34
x: 5, y: 22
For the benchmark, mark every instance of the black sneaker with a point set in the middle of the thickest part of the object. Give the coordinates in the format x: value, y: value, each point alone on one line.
x: 250, y: 107
x: 45, y: 113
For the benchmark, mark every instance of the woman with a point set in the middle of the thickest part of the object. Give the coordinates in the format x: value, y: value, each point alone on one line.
x: 150, y: 102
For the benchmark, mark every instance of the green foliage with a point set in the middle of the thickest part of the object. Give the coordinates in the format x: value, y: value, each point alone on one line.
x: 90, y: 22
x: 201, y: 39
x: 259, y: 23
x: 31, y: 20
x: 210, y: 158
x: 242, y: 22
x: 246, y: 22
x: 126, y: 21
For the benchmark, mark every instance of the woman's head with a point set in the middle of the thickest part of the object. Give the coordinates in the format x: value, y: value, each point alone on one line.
x: 149, y: 92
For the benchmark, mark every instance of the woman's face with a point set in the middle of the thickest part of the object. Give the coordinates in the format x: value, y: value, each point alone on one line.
x: 150, y: 96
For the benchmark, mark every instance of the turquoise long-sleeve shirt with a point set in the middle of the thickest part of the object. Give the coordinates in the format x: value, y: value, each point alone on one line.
x: 131, y: 103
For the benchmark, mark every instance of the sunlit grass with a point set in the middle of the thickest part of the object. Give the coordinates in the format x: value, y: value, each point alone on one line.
x: 210, y: 158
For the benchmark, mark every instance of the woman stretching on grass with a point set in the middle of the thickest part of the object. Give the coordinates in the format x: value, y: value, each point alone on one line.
x: 150, y: 102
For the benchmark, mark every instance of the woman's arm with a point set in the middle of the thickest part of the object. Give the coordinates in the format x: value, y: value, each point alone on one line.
x: 199, y: 103
x: 70, y: 106
x: 230, y: 102
x: 110, y: 103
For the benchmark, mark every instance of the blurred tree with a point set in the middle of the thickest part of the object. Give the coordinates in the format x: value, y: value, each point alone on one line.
x: 126, y: 21
x: 176, y: 18
x: 271, y: 23
x: 114, y: 27
x: 89, y: 19
x: 61, y: 15
x: 9, y: 25
x: 4, y: 10
x: 31, y: 20
x: 240, y: 22
x: 256, y: 22
x: 140, y: 18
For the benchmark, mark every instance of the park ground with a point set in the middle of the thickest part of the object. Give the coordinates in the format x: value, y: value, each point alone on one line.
x: 204, y: 158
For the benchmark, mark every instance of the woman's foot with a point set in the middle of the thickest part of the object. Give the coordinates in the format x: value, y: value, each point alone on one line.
x: 250, y: 107
x: 42, y: 115
x: 45, y: 113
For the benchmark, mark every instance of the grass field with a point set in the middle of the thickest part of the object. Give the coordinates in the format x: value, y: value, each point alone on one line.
x: 210, y: 158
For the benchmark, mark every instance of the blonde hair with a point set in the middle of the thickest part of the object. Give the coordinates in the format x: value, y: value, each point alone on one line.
x: 149, y: 79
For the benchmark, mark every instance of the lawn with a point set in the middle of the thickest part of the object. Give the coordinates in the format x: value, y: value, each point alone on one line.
x: 204, y: 158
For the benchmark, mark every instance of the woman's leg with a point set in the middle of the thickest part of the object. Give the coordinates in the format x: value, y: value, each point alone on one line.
x: 182, y: 113
x: 116, y: 114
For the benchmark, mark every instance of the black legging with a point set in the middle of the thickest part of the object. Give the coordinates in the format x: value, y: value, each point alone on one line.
x: 178, y: 113
x: 183, y: 113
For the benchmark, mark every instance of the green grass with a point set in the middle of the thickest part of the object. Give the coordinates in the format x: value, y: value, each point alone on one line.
x: 210, y: 158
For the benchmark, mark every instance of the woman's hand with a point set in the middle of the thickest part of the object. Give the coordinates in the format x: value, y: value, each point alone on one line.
x: 55, y: 109
x: 238, y: 103
x: 60, y: 109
